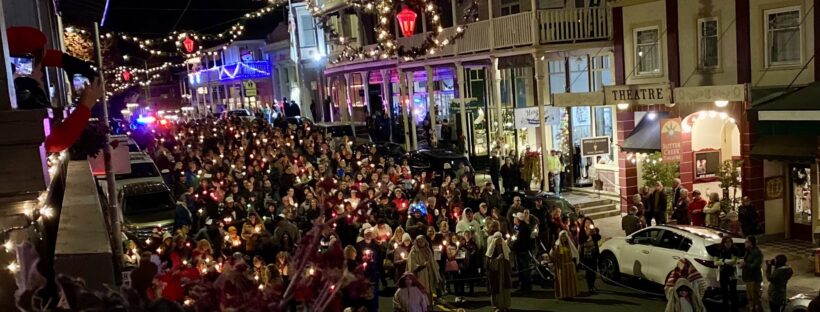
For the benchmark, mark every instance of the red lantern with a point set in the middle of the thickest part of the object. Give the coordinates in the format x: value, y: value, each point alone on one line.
x: 126, y: 75
x: 407, y: 21
x: 188, y: 43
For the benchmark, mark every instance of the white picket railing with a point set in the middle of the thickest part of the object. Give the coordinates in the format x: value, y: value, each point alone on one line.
x: 475, y: 37
x: 572, y: 25
x: 513, y: 30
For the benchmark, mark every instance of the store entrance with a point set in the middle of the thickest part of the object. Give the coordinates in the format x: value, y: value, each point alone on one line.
x: 478, y: 137
x: 801, y: 201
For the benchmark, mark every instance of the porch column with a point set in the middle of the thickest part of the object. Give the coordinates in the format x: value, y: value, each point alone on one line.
x: 366, y: 88
x: 387, y: 105
x: 628, y: 173
x: 346, y: 112
x: 431, y: 105
x: 495, y: 75
x: 387, y: 97
x: 462, y: 94
x: 541, y: 99
x: 411, y: 107
x: 404, y: 107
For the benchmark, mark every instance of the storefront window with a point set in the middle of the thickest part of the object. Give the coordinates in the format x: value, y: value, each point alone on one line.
x: 444, y: 96
x: 357, y: 90
x: 603, y: 125
x: 519, y: 75
x: 579, y: 74
x: 581, y: 124
x: 558, y: 79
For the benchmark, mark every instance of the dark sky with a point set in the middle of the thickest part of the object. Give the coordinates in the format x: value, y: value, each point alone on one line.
x: 151, y: 19
x: 158, y: 17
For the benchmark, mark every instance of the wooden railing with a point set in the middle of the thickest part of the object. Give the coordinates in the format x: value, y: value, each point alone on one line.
x: 513, y: 30
x: 573, y: 25
x: 475, y: 37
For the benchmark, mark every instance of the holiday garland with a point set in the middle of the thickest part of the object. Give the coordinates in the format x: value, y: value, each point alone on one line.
x: 386, y: 45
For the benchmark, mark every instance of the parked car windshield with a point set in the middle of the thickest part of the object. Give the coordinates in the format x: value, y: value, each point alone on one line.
x: 148, y: 203
x: 239, y: 113
x: 139, y: 170
x: 340, y: 131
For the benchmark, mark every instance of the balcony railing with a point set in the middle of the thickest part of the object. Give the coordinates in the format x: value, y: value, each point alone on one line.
x: 550, y: 27
x: 573, y: 25
x: 236, y: 71
x: 513, y: 30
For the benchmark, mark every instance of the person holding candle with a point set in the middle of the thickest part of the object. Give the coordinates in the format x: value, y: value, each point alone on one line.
x: 400, y: 254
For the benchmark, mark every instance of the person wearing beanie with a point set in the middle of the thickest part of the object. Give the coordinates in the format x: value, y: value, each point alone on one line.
x: 30, y: 90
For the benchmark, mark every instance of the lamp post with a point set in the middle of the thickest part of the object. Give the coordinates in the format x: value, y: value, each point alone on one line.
x: 147, y: 88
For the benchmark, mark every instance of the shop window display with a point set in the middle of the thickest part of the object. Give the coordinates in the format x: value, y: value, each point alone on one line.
x: 801, y: 192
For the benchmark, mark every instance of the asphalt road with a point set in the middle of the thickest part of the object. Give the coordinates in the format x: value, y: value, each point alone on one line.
x: 610, y: 297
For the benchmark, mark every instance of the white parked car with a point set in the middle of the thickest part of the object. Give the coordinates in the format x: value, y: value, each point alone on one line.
x: 651, y: 253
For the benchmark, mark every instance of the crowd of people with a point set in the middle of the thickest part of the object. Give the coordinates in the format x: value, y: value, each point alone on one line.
x: 249, y: 190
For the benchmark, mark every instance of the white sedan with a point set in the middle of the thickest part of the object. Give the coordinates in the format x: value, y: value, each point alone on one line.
x: 651, y: 253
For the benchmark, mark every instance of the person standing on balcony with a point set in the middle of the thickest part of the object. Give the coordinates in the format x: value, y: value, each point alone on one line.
x: 30, y: 89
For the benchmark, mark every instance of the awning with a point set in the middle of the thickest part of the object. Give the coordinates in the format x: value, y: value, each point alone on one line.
x: 788, y: 105
x: 785, y: 147
x: 646, y: 137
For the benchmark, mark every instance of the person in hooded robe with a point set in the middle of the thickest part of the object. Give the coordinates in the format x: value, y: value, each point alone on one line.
x: 420, y: 261
x: 410, y: 296
x: 564, y: 257
x: 684, y: 289
x: 499, y: 268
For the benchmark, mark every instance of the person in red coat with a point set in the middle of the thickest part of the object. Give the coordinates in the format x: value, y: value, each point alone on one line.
x: 30, y: 90
x: 696, y: 209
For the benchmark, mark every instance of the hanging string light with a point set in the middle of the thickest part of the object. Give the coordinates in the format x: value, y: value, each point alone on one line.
x: 386, y: 46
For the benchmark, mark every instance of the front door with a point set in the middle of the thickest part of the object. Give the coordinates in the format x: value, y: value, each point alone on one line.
x: 800, y: 212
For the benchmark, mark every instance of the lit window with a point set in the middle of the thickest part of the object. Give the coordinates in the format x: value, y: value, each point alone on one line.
x: 647, y: 50
x: 783, y: 40
x: 708, y: 53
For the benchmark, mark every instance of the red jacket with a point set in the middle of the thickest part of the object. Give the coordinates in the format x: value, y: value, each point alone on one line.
x: 696, y: 212
x: 66, y: 133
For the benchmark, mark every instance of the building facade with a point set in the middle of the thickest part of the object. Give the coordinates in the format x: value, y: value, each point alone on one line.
x: 238, y: 76
x: 721, y: 59
x: 492, y: 85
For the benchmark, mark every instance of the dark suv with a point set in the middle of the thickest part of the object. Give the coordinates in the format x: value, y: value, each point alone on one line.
x: 434, y: 161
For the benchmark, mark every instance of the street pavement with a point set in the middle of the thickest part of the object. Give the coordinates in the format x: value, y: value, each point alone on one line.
x: 612, y: 298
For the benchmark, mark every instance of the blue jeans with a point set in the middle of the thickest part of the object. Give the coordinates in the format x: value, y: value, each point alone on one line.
x: 556, y: 181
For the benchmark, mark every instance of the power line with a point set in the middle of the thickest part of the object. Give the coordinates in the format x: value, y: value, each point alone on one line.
x: 181, y: 15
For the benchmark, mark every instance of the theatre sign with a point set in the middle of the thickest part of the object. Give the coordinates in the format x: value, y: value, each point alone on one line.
x: 646, y: 94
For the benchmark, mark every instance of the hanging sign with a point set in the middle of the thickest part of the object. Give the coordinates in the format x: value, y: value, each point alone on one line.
x: 595, y: 146
x: 250, y: 87
x: 703, y: 94
x: 670, y: 140
x: 527, y: 117
x: 578, y: 99
x: 646, y: 94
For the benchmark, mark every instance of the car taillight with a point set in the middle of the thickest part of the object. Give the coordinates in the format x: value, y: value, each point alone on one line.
x: 707, y: 263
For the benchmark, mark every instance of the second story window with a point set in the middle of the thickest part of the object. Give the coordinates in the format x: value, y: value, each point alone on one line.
x: 647, y: 50
x: 307, y: 36
x: 510, y: 7
x: 708, y: 32
x: 783, y: 40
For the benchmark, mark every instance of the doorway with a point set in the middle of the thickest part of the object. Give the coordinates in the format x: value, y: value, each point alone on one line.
x: 800, y: 212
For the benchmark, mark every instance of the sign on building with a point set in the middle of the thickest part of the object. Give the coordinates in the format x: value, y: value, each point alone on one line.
x: 527, y: 117
x: 646, y: 94
x: 670, y: 140
x: 595, y: 146
x: 250, y: 87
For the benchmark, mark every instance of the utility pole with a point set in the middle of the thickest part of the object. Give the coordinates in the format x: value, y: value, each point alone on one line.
x: 114, y: 213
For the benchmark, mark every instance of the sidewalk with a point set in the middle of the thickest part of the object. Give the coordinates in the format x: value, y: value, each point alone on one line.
x: 800, y: 256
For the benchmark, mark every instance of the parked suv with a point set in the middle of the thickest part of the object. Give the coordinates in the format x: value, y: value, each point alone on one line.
x: 146, y: 206
x: 653, y: 252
